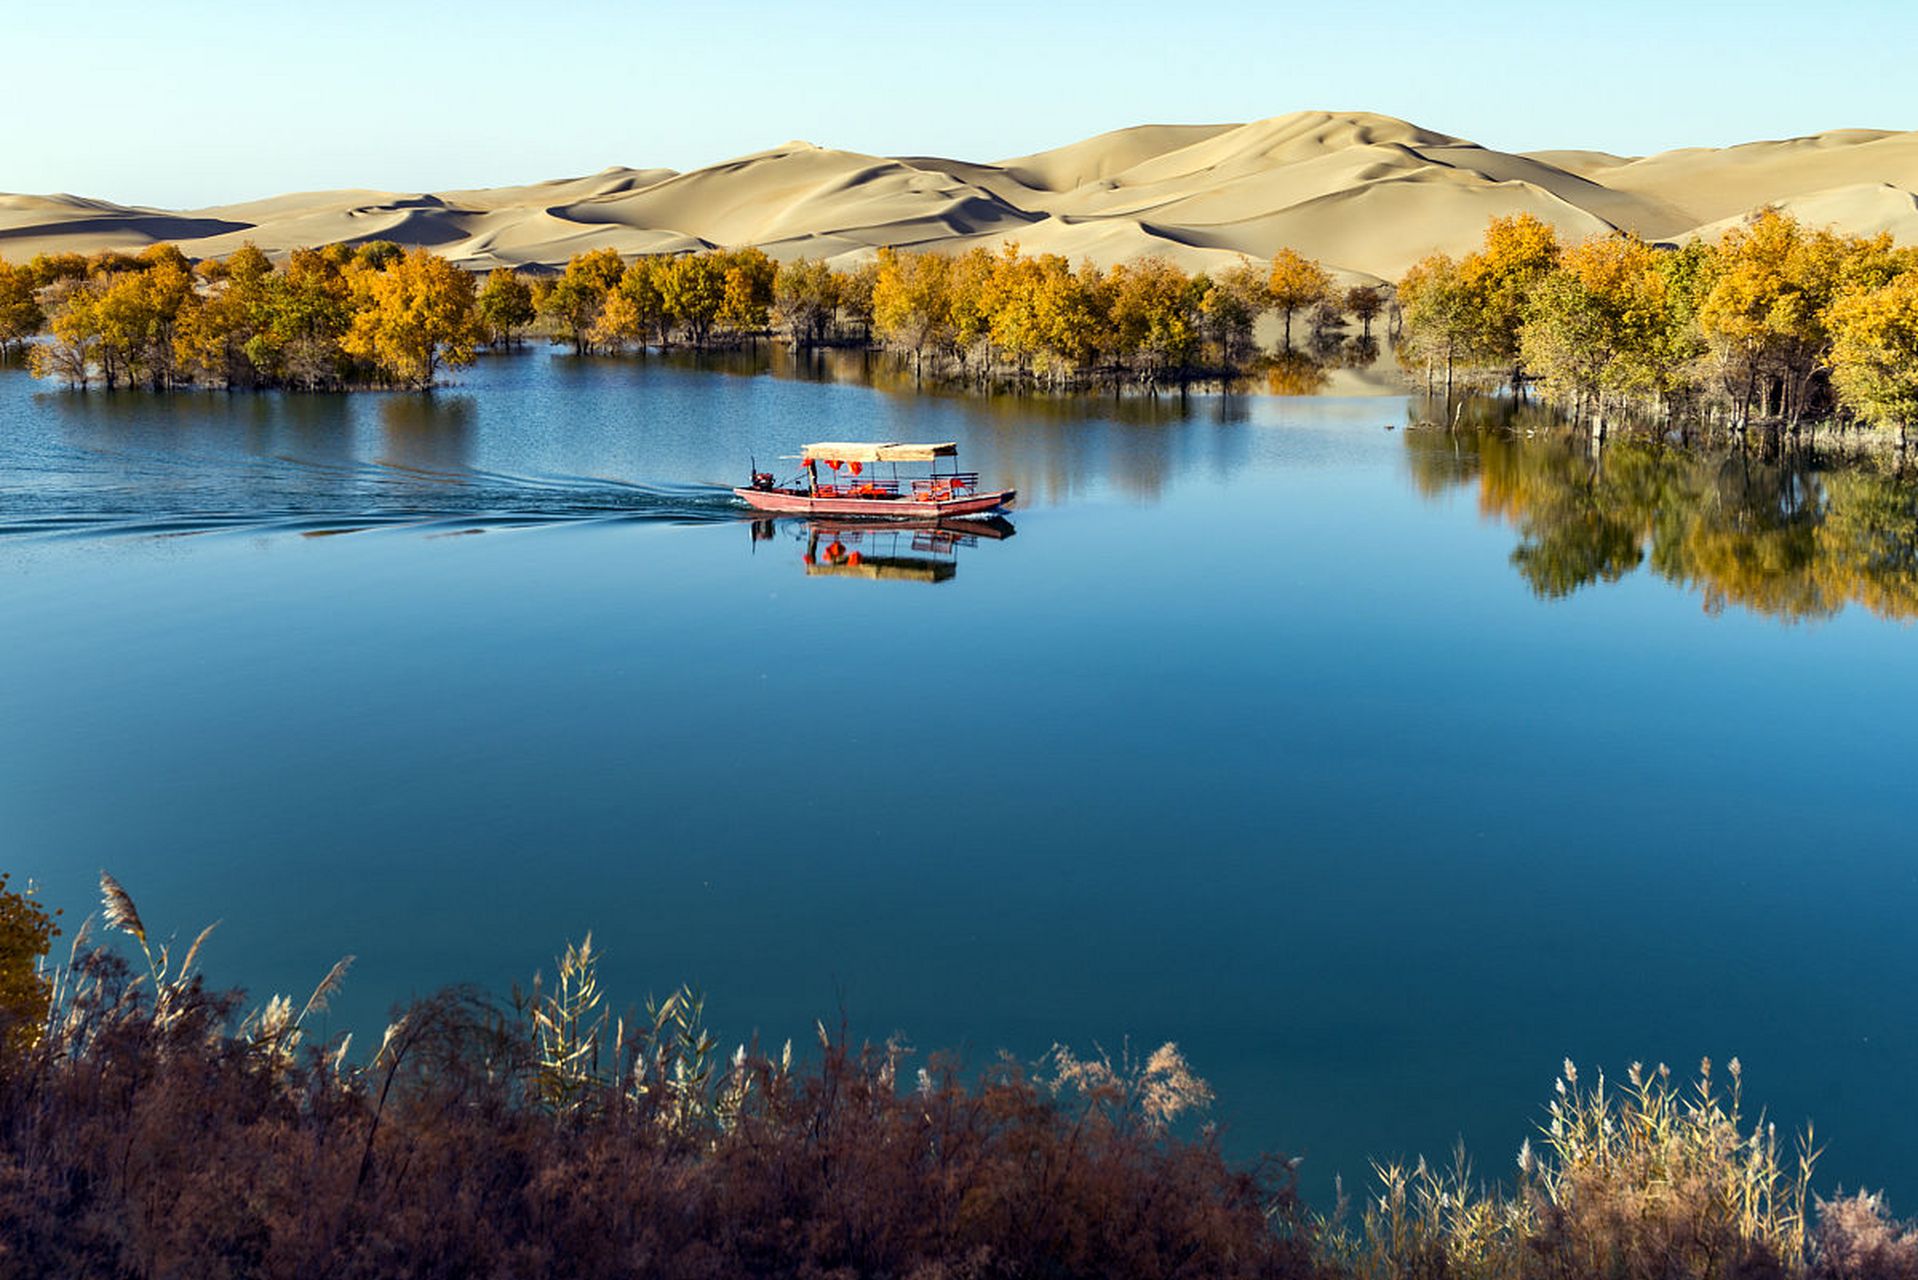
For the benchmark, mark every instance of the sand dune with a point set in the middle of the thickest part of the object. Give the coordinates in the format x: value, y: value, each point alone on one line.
x: 1367, y: 194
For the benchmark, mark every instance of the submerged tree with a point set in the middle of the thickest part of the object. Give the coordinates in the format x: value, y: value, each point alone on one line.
x: 421, y: 316
x: 1875, y: 352
x: 806, y: 300
x: 20, y: 314
x: 1441, y: 322
x: 505, y: 306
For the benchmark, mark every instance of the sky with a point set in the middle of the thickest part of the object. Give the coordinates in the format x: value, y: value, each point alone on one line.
x: 198, y: 102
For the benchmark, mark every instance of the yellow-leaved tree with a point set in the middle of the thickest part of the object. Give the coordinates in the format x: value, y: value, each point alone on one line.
x: 1296, y: 283
x: 1595, y: 324
x: 420, y: 315
x: 26, y: 931
x: 1874, y: 361
x: 910, y: 301
x: 20, y: 314
x: 1518, y: 252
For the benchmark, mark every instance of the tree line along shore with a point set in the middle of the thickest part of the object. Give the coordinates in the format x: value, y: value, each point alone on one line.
x: 1775, y: 324
x: 344, y: 317
x: 149, y: 1127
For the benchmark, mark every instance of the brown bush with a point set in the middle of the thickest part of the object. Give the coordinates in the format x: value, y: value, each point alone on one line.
x: 159, y: 1136
x: 1858, y: 1239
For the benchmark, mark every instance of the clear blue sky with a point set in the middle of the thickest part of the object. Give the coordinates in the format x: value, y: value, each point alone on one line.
x: 201, y: 101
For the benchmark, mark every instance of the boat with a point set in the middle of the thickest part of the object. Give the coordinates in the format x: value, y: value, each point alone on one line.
x: 856, y: 488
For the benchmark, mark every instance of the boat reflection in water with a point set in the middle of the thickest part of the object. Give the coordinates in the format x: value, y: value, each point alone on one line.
x: 890, y: 551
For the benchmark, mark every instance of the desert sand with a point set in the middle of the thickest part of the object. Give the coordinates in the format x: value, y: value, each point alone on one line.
x: 1366, y: 194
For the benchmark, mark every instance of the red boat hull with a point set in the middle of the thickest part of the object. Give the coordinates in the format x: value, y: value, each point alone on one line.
x: 786, y: 502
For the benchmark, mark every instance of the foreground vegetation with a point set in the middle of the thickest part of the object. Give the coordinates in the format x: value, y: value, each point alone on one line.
x: 147, y: 1129
x: 1775, y: 324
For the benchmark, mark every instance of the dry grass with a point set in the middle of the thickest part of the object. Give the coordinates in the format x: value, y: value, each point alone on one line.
x: 149, y: 1129
x: 156, y: 1132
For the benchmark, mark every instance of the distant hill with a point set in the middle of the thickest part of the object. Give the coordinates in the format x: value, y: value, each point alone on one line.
x: 1365, y: 193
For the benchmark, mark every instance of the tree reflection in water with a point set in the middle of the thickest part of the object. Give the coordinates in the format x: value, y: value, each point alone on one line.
x: 1792, y: 536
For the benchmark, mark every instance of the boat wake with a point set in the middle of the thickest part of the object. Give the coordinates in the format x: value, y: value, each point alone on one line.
x: 316, y: 500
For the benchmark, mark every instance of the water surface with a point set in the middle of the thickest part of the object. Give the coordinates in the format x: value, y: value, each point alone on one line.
x: 1381, y: 770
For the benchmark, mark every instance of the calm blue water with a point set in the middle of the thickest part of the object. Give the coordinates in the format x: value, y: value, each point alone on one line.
x: 1254, y: 737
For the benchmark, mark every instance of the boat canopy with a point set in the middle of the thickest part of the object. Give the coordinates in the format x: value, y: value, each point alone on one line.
x: 855, y: 451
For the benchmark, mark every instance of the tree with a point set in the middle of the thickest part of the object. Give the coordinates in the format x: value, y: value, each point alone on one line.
x: 1595, y: 324
x: 1295, y: 284
x: 1764, y: 316
x: 640, y: 285
x: 618, y: 322
x: 1155, y: 315
x: 806, y: 299
x: 1517, y: 253
x: 1875, y: 353
x: 422, y: 315
x: 975, y: 292
x: 1440, y: 320
x: 1363, y: 302
x: 574, y: 302
x: 747, y: 291
x: 27, y: 930
x: 1232, y: 303
x: 910, y: 303
x: 75, y: 341
x: 855, y: 295
x: 505, y: 306
x: 20, y: 314
x: 692, y: 292
x: 299, y: 317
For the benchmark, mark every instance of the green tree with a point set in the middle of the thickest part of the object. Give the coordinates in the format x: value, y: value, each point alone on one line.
x: 1596, y: 325
x: 505, y: 306
x: 1440, y: 318
x: 1233, y: 301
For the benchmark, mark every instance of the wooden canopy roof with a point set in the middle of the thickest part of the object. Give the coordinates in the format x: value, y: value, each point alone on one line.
x: 857, y: 451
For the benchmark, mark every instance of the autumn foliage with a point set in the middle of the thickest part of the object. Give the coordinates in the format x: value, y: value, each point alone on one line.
x: 1774, y: 323
x: 326, y: 319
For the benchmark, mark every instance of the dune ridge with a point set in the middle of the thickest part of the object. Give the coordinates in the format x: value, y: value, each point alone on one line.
x: 1367, y: 194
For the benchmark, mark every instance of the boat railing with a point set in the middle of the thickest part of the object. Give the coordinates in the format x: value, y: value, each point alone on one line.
x: 951, y: 484
x: 860, y: 489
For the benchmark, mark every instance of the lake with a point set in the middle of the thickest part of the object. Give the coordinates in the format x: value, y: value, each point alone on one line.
x: 1382, y: 769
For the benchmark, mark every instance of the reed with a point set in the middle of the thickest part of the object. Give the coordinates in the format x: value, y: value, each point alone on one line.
x: 153, y: 1129
x: 1653, y: 1179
